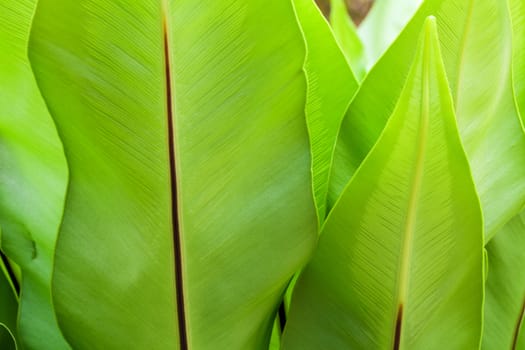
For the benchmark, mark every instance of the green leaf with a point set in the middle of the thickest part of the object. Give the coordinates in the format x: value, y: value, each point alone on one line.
x: 346, y: 35
x: 505, y: 288
x: 382, y: 25
x: 517, y: 10
x: 275, y: 340
x: 400, y: 261
x: 331, y: 86
x: 8, y: 310
x: 476, y: 51
x: 190, y: 204
x: 33, y: 179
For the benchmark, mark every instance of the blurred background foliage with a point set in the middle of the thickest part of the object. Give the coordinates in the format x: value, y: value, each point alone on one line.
x: 356, y: 8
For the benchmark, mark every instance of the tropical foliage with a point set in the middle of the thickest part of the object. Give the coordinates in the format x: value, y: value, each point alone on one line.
x: 250, y: 175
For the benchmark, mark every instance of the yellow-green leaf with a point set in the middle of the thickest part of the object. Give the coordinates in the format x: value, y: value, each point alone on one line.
x: 400, y: 260
x: 33, y: 179
x: 505, y: 288
x: 331, y: 86
x: 190, y: 202
x: 476, y: 41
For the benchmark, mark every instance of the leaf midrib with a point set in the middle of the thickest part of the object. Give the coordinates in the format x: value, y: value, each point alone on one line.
x: 409, y: 231
x: 177, y: 246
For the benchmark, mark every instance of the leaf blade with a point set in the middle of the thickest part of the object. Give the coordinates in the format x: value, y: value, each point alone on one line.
x: 505, y: 289
x: 331, y: 84
x: 486, y: 113
x: 517, y: 11
x: 33, y: 179
x: 373, y: 297
x: 235, y: 204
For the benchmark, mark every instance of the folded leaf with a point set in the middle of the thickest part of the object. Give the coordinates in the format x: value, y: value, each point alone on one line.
x: 190, y: 204
x: 346, y: 35
x: 476, y: 45
x: 33, y: 179
x: 505, y: 288
x: 400, y: 261
x: 331, y: 86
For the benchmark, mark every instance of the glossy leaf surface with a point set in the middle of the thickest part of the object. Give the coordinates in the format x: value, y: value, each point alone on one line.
x: 190, y: 203
x: 400, y: 260
x: 476, y: 41
x: 33, y: 179
x: 331, y: 86
x: 505, y: 288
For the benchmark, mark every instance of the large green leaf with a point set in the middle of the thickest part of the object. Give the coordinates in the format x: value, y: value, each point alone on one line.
x: 476, y: 50
x: 400, y: 261
x: 517, y: 8
x: 190, y: 204
x: 331, y: 86
x: 505, y: 288
x: 33, y: 179
x: 382, y: 25
x: 8, y: 310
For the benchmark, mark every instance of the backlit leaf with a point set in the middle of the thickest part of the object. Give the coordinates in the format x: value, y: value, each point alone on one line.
x: 400, y: 260
x: 476, y: 41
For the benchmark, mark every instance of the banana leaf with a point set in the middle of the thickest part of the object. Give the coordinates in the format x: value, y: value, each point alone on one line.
x: 517, y: 10
x: 505, y: 288
x: 33, y: 180
x: 331, y: 86
x: 190, y: 203
x: 400, y: 261
x: 476, y: 41
x: 346, y: 35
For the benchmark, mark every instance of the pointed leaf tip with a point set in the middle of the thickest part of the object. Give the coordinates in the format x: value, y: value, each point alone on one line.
x: 430, y: 24
x: 395, y: 239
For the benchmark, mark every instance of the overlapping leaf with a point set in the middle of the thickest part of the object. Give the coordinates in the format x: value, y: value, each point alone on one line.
x: 476, y: 43
x: 190, y: 203
x: 400, y: 261
x: 331, y: 86
x: 505, y: 288
x: 33, y: 179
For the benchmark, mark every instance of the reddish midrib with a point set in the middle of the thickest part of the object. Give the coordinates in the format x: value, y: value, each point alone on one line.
x: 399, y: 324
x: 181, y: 312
